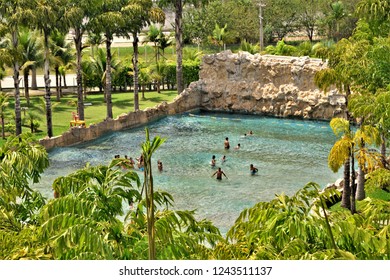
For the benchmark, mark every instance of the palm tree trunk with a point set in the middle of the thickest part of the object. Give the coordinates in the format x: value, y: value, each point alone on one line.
x: 346, y: 197
x: 79, y: 78
x: 108, y: 78
x: 60, y: 85
x: 64, y: 79
x: 143, y: 92
x: 2, y: 127
x: 57, y: 72
x: 49, y: 120
x: 26, y: 87
x: 360, y: 192
x: 150, y: 208
x: 179, y: 45
x: 383, y: 150
x: 18, y: 115
x: 34, y: 85
x: 135, y: 70
x: 353, y: 186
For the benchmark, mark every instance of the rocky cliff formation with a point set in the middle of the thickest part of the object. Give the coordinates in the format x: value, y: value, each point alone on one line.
x: 263, y: 84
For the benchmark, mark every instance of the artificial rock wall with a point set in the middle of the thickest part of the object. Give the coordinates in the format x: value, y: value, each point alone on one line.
x: 238, y: 83
x: 269, y: 85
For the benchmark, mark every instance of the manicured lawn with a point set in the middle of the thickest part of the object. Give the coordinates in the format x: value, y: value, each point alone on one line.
x: 374, y: 193
x: 123, y: 102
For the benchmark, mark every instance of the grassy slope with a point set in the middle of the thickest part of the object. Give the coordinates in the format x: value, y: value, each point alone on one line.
x: 62, y: 112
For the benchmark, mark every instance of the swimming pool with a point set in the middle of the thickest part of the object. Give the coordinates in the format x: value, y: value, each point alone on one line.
x: 288, y: 153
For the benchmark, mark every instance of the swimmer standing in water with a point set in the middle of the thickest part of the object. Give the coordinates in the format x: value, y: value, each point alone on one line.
x: 159, y: 165
x: 213, y: 161
x: 219, y: 173
x: 253, y: 169
x: 227, y: 144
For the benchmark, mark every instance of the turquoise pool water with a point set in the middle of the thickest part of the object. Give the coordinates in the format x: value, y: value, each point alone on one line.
x: 288, y: 153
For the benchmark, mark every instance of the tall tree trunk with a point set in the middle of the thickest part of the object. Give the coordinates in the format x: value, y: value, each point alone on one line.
x: 346, y: 197
x: 108, y: 78
x: 179, y: 45
x: 79, y: 78
x: 353, y: 185
x: 34, y: 84
x: 2, y: 127
x: 60, y: 85
x: 148, y: 179
x: 143, y: 91
x: 360, y: 192
x: 49, y: 120
x: 135, y: 70
x: 383, y: 150
x: 64, y: 79
x: 57, y: 73
x: 18, y: 115
x: 26, y: 87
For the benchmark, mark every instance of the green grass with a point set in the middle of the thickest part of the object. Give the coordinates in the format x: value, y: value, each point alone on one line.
x: 375, y: 193
x: 123, y: 102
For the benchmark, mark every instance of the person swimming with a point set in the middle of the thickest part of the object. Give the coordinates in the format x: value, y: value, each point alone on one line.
x: 253, y: 169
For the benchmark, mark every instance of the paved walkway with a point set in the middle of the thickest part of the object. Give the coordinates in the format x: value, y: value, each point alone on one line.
x: 8, y: 82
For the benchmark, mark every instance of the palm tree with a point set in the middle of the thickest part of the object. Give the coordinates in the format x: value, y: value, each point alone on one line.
x: 62, y: 56
x: 12, y: 16
x: 148, y: 148
x: 365, y: 136
x: 77, y: 16
x: 345, y: 68
x: 352, y: 145
x: 96, y: 196
x: 139, y: 14
x: 32, y: 118
x: 287, y: 228
x: 178, y: 5
x: 99, y: 64
x: 23, y: 160
x: 340, y: 154
x: 219, y: 36
x: 32, y: 56
x: 153, y: 36
x: 337, y: 14
x: 377, y: 13
x: 3, y: 105
x: 373, y: 109
x: 144, y: 79
x: 94, y: 40
x: 45, y: 17
x: 164, y: 42
x: 109, y: 21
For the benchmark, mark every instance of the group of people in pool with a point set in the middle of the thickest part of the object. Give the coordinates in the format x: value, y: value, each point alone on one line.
x: 129, y: 163
x: 219, y: 172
